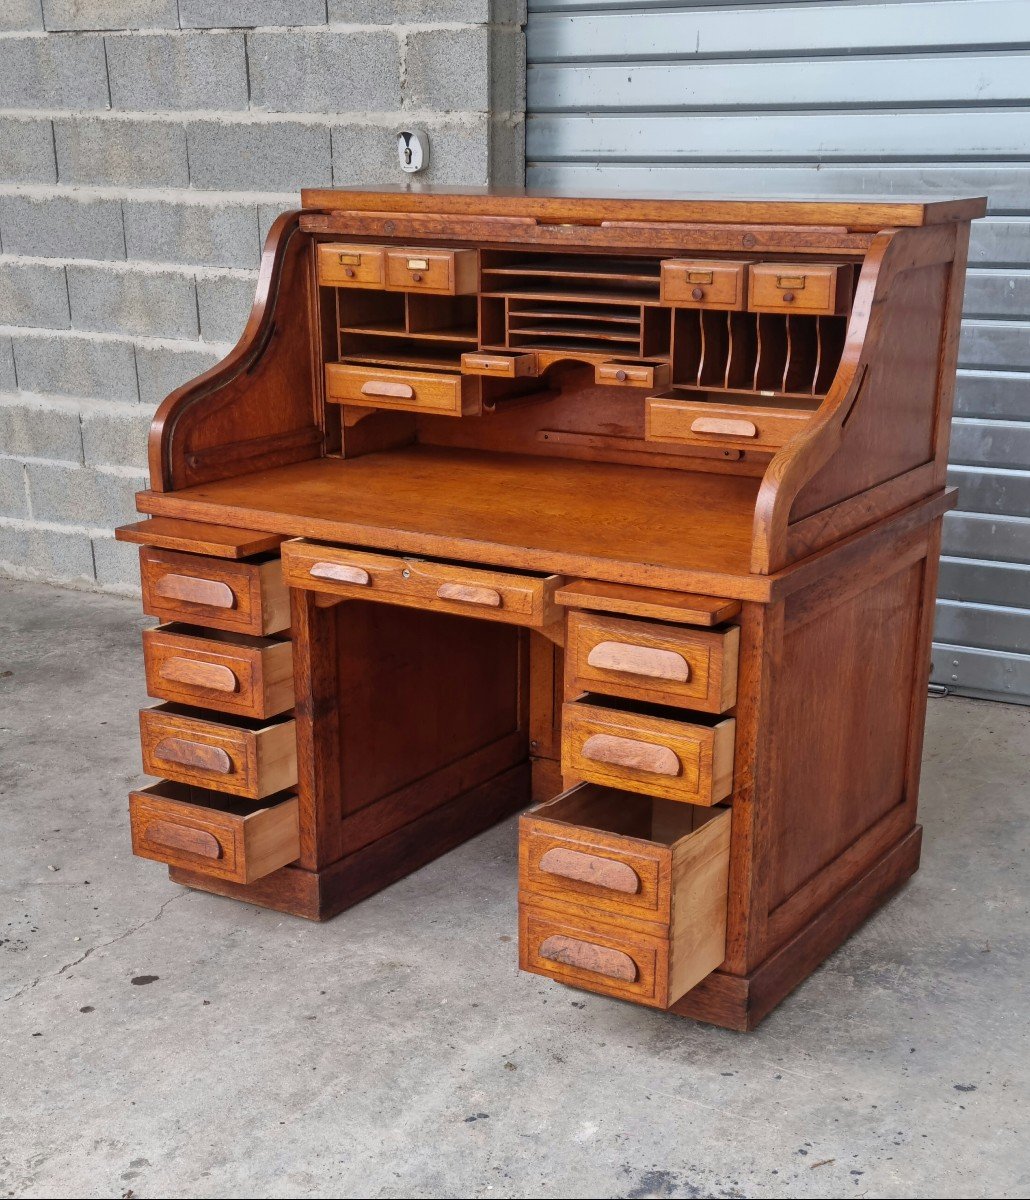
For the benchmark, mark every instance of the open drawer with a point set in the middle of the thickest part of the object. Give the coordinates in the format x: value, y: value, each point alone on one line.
x: 623, y: 894
x: 506, y: 596
x: 215, y: 833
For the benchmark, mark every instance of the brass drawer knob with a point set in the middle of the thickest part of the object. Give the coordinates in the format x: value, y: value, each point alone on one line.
x: 697, y: 294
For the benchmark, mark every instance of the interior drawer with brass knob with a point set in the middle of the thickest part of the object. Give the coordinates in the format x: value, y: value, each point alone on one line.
x: 516, y: 598
x: 246, y: 597
x: 438, y: 393
x: 351, y: 266
x: 645, y: 660
x: 746, y: 426
x: 438, y: 272
x: 237, y: 755
x: 696, y: 283
x: 819, y: 288
x: 499, y: 366
x: 215, y: 833
x: 627, y: 373
x: 228, y: 672
x: 649, y: 749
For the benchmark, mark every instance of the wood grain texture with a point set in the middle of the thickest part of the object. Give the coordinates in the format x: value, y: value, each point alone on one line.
x: 198, y: 538
x: 646, y: 602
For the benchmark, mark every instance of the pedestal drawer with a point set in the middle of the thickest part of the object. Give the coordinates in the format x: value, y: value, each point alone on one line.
x: 648, y: 749
x: 645, y: 660
x: 237, y: 755
x: 228, y: 672
x: 215, y: 833
x: 606, y: 877
x: 516, y: 599
x: 245, y: 597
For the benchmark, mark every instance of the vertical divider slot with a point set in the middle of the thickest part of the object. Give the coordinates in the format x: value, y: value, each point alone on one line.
x: 743, y: 350
x: 832, y: 334
x: 772, y: 352
x: 715, y: 345
x: 686, y: 346
x: 802, y: 353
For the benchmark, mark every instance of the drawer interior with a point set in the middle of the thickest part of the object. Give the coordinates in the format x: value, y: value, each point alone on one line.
x: 209, y: 800
x: 643, y: 708
x: 230, y: 720
x: 626, y: 814
x: 246, y: 641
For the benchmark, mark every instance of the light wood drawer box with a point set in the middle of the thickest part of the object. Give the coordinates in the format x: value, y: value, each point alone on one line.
x: 653, y: 864
x: 245, y: 597
x: 697, y: 283
x: 237, y: 755
x: 351, y: 266
x: 499, y: 366
x: 215, y: 833
x: 437, y: 393
x: 617, y: 373
x: 820, y: 288
x: 733, y: 426
x: 646, y: 751
x: 516, y: 599
x: 228, y: 672
x: 643, y: 660
x: 438, y: 272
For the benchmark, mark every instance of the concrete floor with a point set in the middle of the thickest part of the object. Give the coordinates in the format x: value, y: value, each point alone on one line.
x: 159, y: 1042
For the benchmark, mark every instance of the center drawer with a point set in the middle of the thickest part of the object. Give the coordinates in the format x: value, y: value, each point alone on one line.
x: 646, y: 660
x: 648, y: 749
x: 237, y: 755
x: 515, y: 599
x: 623, y: 894
x: 215, y: 833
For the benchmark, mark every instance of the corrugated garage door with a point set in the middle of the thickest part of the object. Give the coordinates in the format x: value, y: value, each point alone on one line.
x: 823, y: 98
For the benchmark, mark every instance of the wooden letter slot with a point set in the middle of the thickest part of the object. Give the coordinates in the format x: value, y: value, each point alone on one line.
x: 627, y: 752
x: 587, y: 956
x: 195, y: 591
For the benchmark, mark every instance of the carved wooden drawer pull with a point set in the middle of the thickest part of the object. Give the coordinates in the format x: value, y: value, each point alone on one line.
x: 469, y: 594
x: 387, y: 387
x: 640, y: 660
x: 182, y: 838
x: 724, y: 425
x: 341, y: 572
x: 199, y: 674
x: 602, y: 960
x: 195, y: 591
x: 194, y: 754
x: 591, y: 868
x: 628, y: 752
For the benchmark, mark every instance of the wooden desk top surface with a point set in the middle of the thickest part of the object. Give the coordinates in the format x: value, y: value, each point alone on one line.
x: 666, y: 528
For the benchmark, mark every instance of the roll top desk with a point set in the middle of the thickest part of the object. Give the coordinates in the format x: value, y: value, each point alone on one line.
x: 629, y: 508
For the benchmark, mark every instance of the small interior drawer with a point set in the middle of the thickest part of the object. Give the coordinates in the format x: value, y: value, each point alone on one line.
x: 245, y: 597
x: 648, y: 749
x: 341, y: 265
x: 215, y: 833
x: 821, y: 288
x: 700, y: 283
x: 600, y: 861
x: 438, y: 272
x: 753, y: 426
x: 517, y: 599
x: 436, y: 392
x: 237, y: 755
x: 233, y: 673
x: 499, y: 366
x: 645, y: 660
x: 619, y: 372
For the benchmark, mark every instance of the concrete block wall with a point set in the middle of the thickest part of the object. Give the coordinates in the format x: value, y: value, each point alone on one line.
x: 145, y: 148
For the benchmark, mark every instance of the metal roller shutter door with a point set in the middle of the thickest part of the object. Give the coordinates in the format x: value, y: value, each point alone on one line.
x: 817, y: 98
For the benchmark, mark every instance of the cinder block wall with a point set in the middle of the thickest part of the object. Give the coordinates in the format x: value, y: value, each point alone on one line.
x: 145, y: 147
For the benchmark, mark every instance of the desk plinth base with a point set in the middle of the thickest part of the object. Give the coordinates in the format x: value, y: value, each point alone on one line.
x: 319, y: 895
x: 743, y: 1002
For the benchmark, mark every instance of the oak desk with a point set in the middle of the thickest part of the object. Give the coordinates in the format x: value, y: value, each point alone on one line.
x: 630, y: 508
